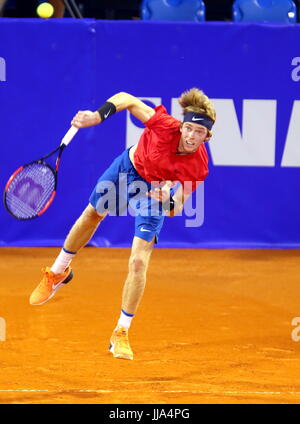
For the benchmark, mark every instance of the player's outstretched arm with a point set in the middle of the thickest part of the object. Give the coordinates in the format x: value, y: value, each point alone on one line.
x: 135, y: 106
x: 116, y: 103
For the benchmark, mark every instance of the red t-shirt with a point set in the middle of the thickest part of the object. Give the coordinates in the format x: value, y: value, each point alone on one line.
x: 156, y: 157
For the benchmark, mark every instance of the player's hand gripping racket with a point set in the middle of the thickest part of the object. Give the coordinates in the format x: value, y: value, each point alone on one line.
x: 31, y: 189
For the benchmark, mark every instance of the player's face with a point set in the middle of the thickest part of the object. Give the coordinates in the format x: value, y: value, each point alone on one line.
x: 193, y: 135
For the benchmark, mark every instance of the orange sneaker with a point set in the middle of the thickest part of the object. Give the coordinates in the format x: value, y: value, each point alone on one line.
x: 119, y: 344
x: 49, y: 285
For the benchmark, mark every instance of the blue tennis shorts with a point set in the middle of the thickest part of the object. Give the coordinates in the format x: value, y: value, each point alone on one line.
x: 121, y: 191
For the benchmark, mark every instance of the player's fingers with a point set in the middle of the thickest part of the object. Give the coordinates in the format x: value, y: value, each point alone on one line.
x: 77, y: 122
x: 149, y: 194
x: 155, y: 194
x: 81, y: 117
x: 82, y: 114
x: 169, y: 184
x: 158, y: 193
x: 152, y: 195
x: 77, y: 117
x: 165, y: 197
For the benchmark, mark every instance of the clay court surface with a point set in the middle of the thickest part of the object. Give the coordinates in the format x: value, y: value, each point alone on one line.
x: 214, y: 326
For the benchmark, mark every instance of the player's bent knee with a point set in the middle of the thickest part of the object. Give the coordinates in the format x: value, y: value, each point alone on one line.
x: 91, y: 215
x: 137, y: 264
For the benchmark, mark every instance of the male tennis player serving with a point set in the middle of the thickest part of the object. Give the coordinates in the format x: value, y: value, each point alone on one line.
x: 168, y: 151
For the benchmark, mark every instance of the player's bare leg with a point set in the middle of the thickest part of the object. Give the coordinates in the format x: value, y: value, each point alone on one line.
x: 132, y: 294
x: 136, y: 279
x: 83, y: 229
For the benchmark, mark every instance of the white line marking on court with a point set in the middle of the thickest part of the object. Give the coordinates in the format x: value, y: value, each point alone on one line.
x: 206, y: 392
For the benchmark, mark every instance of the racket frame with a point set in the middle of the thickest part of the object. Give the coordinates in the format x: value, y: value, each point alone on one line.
x: 64, y: 142
x: 40, y: 161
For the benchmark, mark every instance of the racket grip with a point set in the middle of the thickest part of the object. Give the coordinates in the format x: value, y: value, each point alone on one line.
x: 69, y: 136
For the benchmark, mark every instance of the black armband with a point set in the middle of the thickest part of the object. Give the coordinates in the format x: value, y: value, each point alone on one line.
x: 106, y: 110
x: 168, y: 205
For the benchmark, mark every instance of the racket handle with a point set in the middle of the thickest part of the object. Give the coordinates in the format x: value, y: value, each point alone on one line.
x: 69, y: 136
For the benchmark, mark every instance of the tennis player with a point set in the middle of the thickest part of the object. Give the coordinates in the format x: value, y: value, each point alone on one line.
x: 169, y: 152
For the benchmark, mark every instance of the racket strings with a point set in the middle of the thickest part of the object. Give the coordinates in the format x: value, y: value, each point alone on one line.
x: 30, y: 190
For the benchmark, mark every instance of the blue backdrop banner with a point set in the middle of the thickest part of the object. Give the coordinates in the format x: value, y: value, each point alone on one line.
x: 50, y: 69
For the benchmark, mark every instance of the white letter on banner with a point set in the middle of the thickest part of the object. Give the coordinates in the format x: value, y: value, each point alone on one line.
x: 176, y: 109
x: 133, y: 132
x: 2, y: 69
x: 291, y: 154
x: 256, y: 145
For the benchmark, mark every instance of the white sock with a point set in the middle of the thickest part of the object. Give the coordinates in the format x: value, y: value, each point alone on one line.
x: 125, y: 319
x: 62, y: 261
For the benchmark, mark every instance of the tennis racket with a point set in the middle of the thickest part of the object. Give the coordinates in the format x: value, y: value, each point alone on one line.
x: 31, y: 189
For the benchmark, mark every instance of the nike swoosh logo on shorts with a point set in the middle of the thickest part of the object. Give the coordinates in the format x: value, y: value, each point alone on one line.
x: 197, y: 119
x: 106, y: 115
x: 144, y: 229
